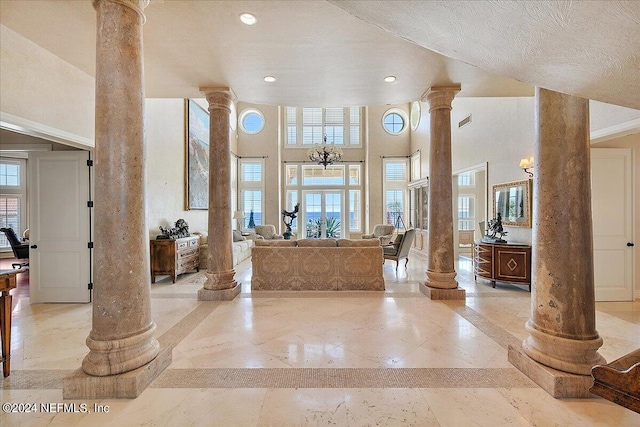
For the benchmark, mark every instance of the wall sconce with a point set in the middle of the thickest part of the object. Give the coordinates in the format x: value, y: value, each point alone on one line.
x: 527, y: 166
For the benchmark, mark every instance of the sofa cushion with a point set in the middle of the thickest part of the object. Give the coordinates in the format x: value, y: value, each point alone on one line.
x: 237, y: 236
x: 317, y: 243
x: 290, y: 243
x: 365, y: 242
x: 244, y: 245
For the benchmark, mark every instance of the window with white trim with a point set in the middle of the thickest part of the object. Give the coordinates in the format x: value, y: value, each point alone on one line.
x: 467, y: 179
x: 251, y: 186
x: 346, y: 178
x: 305, y: 126
x: 234, y: 189
x: 394, y: 121
x: 396, y: 179
x: 415, y: 166
x: 13, y: 190
x: 251, y: 121
x: 466, y: 212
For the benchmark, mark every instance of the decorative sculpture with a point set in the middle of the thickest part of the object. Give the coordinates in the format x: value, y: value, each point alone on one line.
x: 495, y: 231
x: 287, y: 218
x: 252, y: 223
x: 180, y: 230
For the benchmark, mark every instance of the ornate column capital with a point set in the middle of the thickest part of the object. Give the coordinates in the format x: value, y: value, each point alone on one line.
x: 219, y: 98
x: 440, y: 97
x: 137, y: 5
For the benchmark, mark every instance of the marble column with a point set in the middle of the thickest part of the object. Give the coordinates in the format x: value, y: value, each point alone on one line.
x: 562, y: 330
x: 440, y: 283
x: 122, y: 336
x: 220, y: 283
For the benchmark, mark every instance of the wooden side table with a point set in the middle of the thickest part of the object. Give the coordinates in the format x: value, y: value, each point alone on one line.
x: 7, y: 282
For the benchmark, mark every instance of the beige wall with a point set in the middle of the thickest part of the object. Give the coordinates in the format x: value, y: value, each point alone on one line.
x: 501, y: 133
x: 603, y: 115
x: 381, y: 143
x: 165, y: 127
x: 420, y: 139
x: 41, y: 88
x: 265, y: 143
x: 165, y: 137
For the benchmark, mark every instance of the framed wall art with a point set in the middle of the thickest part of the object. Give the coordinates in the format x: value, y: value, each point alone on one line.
x: 196, y: 156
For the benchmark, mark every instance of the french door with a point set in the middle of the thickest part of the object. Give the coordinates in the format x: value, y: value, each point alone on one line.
x: 323, y: 212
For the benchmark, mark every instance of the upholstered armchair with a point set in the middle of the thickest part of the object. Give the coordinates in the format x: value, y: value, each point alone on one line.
x: 267, y: 232
x: 381, y: 231
x: 400, y: 248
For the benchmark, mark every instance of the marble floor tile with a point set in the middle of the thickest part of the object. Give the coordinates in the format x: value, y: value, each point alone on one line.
x: 388, y: 407
x: 393, y: 358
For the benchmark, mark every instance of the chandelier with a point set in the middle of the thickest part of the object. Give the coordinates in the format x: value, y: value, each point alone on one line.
x: 325, y: 154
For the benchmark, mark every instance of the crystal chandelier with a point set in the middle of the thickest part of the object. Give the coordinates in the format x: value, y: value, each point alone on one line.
x: 325, y: 154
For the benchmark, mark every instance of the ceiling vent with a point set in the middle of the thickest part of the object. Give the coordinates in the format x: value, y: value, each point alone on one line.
x: 464, y: 121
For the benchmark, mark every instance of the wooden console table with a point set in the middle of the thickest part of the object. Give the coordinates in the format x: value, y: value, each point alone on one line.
x: 7, y: 282
x: 502, y: 262
x: 174, y: 257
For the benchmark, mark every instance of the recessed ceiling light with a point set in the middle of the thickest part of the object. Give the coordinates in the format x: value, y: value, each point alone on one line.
x: 390, y: 79
x: 248, y: 18
x: 269, y: 79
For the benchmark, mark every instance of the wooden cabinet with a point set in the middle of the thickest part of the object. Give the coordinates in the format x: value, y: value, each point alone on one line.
x: 174, y: 257
x: 502, y: 262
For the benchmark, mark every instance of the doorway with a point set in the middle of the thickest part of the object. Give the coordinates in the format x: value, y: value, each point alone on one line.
x: 323, y: 213
x: 470, y: 207
x: 612, y: 189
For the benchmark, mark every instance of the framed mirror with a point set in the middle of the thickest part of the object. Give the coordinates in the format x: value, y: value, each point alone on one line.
x: 513, y: 201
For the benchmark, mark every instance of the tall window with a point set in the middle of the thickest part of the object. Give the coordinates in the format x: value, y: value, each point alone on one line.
x: 396, y: 178
x: 307, y: 184
x: 308, y: 125
x: 252, y: 192
x: 12, y: 197
x: 415, y: 167
x: 466, y: 213
x: 234, y: 188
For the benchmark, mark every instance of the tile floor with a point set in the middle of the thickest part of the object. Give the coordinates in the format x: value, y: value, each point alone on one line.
x: 305, y: 359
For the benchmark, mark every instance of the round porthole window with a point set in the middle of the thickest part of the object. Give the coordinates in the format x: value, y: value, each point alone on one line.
x: 394, y: 121
x: 251, y: 120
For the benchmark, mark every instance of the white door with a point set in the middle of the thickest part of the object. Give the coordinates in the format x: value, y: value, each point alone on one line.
x: 59, y: 258
x: 611, y: 201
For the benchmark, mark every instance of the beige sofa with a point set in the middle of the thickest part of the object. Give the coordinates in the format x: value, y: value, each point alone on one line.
x: 241, y: 249
x: 317, y: 264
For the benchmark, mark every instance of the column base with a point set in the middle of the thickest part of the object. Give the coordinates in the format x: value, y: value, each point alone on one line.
x: 440, y: 280
x: 218, y: 294
x: 557, y: 383
x: 568, y: 355
x: 220, y: 281
x: 128, y: 385
x: 443, y: 294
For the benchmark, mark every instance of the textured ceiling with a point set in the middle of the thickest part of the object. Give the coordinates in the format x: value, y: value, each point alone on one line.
x: 585, y: 48
x: 337, y: 53
x: 320, y: 54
